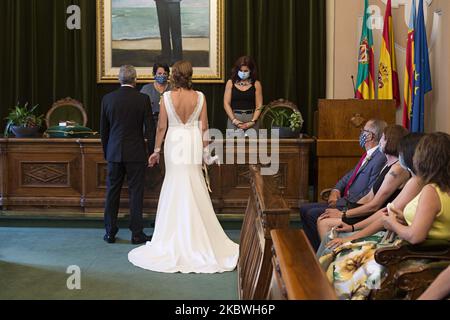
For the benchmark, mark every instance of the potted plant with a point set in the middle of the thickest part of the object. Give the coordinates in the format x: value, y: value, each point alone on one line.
x: 289, y: 122
x: 23, y: 122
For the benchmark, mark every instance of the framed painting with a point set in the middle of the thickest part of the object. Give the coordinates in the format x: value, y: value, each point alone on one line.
x: 144, y: 32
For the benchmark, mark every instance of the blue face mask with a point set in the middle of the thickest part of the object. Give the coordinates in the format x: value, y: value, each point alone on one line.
x: 161, y: 79
x: 244, y: 75
x: 363, y: 140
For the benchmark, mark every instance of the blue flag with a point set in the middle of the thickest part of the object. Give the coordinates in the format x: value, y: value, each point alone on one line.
x: 422, y: 79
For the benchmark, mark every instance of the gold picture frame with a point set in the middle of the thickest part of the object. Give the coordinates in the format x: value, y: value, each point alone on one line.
x: 139, y: 44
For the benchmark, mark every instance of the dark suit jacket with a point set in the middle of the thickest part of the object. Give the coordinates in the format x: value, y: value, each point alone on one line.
x: 126, y: 122
x: 364, y: 180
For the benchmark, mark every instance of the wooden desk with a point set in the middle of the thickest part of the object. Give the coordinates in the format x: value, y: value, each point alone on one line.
x: 68, y: 177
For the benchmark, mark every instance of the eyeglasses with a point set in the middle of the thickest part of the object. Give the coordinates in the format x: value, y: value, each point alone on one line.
x: 368, y: 131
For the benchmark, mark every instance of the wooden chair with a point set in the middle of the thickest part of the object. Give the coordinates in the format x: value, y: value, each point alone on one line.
x: 411, y: 268
x: 65, y: 110
x: 280, y: 103
x: 266, y: 210
x: 297, y: 274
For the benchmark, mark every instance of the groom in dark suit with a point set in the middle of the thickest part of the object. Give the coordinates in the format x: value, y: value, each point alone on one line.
x: 126, y: 121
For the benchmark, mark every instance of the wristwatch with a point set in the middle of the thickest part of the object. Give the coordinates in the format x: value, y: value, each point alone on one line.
x: 157, y: 150
x: 344, y: 214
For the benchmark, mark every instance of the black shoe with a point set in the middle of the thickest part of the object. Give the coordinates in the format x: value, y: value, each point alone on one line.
x: 140, y: 239
x: 109, y: 239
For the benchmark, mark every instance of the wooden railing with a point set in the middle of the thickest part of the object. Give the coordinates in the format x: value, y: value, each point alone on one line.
x: 297, y: 275
x: 266, y: 210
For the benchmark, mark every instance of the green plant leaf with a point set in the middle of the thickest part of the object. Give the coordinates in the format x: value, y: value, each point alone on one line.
x: 22, y: 116
x: 7, y: 129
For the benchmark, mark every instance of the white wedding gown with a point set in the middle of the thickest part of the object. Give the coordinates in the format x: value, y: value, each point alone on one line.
x: 188, y: 238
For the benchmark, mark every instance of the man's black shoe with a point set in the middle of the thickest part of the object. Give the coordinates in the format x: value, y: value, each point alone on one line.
x: 109, y: 239
x: 140, y: 239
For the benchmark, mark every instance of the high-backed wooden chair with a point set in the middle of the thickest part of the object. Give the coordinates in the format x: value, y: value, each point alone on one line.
x: 64, y: 110
x: 411, y: 268
x: 280, y: 103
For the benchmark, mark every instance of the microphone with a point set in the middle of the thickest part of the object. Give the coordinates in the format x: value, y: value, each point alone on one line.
x: 354, y: 87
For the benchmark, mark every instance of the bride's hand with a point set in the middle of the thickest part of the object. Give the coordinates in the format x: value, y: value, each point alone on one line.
x: 208, y: 159
x: 153, y: 160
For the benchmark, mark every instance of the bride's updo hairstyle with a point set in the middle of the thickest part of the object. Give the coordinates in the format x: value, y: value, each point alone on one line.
x: 182, y: 75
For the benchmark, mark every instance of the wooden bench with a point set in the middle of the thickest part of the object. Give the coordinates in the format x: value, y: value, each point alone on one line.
x: 266, y: 210
x: 297, y: 274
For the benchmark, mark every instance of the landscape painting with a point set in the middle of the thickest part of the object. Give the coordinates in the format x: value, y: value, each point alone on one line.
x: 145, y: 32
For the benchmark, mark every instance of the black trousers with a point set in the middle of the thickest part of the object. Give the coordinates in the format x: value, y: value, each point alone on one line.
x: 169, y: 17
x: 309, y: 214
x: 135, y: 172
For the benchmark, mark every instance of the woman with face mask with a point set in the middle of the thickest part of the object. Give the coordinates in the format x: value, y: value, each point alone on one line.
x: 156, y: 90
x: 243, y: 98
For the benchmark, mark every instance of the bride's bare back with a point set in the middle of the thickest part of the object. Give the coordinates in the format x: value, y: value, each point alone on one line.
x: 184, y: 103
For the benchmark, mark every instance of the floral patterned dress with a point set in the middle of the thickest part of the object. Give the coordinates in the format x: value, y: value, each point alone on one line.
x: 352, y: 268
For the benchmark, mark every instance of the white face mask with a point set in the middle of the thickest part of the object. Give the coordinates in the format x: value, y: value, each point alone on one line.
x: 244, y: 75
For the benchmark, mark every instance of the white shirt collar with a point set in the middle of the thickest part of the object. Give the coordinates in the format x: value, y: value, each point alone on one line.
x: 127, y: 85
x: 371, y: 151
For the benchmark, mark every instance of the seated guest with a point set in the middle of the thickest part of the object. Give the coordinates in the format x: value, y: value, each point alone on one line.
x: 386, y: 188
x: 373, y: 224
x: 354, y: 185
x: 353, y: 270
x: 156, y: 90
x: 439, y: 289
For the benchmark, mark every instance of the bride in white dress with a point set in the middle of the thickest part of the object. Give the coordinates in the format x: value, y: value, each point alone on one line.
x: 188, y: 238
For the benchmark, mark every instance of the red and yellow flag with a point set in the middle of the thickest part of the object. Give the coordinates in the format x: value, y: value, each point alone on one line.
x: 409, y: 69
x: 388, y: 85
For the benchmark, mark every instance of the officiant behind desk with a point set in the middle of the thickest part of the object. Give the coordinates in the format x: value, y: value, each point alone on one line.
x: 156, y: 90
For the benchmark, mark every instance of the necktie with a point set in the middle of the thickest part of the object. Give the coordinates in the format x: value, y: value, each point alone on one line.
x: 355, y: 173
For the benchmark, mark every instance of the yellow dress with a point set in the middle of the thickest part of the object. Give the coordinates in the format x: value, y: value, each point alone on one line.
x: 440, y: 229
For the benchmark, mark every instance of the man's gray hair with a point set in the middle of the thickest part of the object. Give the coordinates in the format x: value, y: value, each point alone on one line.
x: 377, y: 127
x: 127, y: 75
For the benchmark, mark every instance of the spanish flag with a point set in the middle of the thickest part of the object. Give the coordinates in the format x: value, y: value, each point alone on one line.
x: 409, y: 70
x: 366, y: 67
x: 388, y: 85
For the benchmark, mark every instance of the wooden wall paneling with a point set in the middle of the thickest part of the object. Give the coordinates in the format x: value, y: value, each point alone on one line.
x: 339, y: 124
x: 3, y: 175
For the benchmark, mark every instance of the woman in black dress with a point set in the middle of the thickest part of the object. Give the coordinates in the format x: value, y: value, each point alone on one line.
x: 243, y: 98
